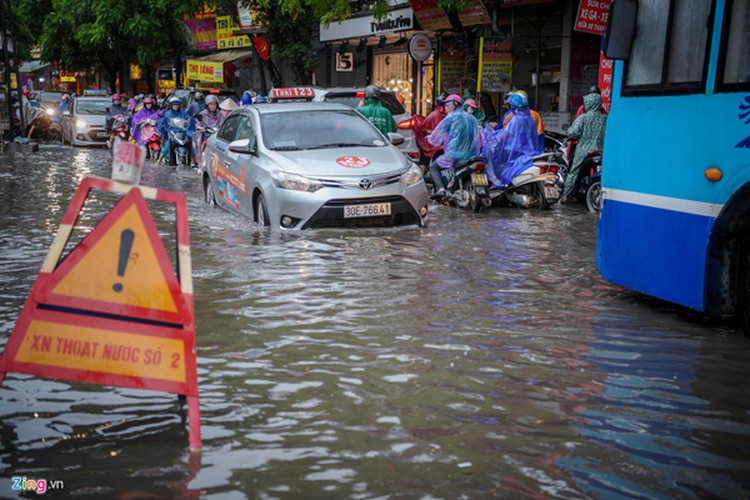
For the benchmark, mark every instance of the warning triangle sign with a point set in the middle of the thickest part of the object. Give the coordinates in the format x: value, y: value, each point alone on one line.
x: 120, y: 268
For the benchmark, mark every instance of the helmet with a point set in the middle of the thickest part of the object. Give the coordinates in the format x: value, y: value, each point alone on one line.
x: 26, y: 92
x: 472, y: 103
x: 175, y: 100
x: 115, y: 97
x: 372, y: 92
x: 148, y: 100
x: 247, y: 98
x: 139, y: 97
x: 65, y: 98
x: 453, y: 98
x: 260, y: 99
x: 523, y: 93
x: 440, y: 100
x: 518, y: 100
x: 212, y: 98
x: 228, y: 104
x: 594, y: 90
x: 198, y: 95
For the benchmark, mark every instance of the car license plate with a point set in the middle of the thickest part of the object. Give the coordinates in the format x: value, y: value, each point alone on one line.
x: 479, y: 179
x: 550, y: 192
x: 101, y: 134
x: 371, y: 210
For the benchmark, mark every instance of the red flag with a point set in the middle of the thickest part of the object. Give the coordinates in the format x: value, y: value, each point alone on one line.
x: 262, y: 46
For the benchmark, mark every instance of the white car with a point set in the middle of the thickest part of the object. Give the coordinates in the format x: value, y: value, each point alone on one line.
x: 83, y: 123
x: 302, y: 165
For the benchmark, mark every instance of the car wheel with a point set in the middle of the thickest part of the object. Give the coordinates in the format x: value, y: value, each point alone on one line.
x: 209, y: 192
x: 594, y: 197
x: 261, y: 211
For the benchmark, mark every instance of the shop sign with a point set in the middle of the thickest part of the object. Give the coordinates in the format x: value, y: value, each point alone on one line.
x: 592, y: 16
x: 345, y: 61
x: 135, y: 72
x: 246, y: 16
x: 401, y: 19
x: 165, y: 85
x: 205, y: 71
x: 225, y: 27
x: 451, y: 66
x: 67, y: 77
x: 200, y: 33
x: 13, y: 81
x: 495, y: 65
x: 432, y: 17
x: 420, y: 47
x: 606, y: 70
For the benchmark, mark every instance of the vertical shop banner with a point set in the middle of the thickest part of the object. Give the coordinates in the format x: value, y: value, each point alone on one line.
x: 495, y: 65
x: 135, y: 72
x: 606, y: 70
x: 225, y: 39
x: 592, y: 16
x: 451, y: 66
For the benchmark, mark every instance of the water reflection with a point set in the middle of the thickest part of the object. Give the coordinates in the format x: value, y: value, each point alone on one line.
x: 480, y: 356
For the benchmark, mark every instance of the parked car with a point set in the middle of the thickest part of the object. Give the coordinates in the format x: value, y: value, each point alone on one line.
x: 84, y: 121
x: 186, y: 96
x: 310, y: 165
x: 354, y: 95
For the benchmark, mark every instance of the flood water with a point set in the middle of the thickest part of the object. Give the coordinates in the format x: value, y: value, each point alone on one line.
x: 482, y: 356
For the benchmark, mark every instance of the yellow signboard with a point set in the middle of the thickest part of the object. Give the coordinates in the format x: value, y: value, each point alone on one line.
x: 66, y: 77
x: 135, y: 72
x: 205, y: 71
x: 225, y: 26
x: 13, y: 81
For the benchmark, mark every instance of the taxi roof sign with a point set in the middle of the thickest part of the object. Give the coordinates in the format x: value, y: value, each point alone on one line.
x: 306, y: 93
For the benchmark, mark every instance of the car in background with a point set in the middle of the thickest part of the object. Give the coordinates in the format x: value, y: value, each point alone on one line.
x: 50, y: 101
x: 186, y: 96
x: 352, y: 96
x: 84, y: 121
x: 304, y: 165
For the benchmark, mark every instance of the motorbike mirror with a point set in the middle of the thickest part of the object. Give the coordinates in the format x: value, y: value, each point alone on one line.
x: 396, y: 139
x: 244, y: 146
x: 199, y: 117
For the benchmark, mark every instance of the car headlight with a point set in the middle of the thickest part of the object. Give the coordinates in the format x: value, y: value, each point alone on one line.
x: 81, y: 124
x: 411, y: 176
x: 50, y: 111
x: 294, y: 182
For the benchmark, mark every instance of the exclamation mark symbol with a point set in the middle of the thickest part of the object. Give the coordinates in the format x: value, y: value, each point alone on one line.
x: 126, y: 245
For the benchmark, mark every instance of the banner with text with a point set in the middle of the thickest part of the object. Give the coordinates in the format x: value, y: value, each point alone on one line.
x: 592, y: 16
x: 225, y: 27
x: 205, y: 71
x: 495, y: 65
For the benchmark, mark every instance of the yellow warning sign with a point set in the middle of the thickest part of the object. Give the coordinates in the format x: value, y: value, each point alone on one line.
x: 122, y: 267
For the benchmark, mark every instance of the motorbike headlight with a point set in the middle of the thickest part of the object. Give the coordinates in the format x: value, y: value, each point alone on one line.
x: 411, y: 176
x: 50, y: 111
x: 81, y: 124
x: 294, y: 182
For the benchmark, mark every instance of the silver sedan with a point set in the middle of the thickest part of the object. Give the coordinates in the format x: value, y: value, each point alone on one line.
x: 311, y: 165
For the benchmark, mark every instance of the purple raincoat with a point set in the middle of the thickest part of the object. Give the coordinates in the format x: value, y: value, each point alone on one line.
x: 460, y: 136
x: 143, y: 114
x: 511, y: 150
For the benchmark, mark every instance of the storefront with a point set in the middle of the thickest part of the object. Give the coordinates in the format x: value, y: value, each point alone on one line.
x: 218, y: 70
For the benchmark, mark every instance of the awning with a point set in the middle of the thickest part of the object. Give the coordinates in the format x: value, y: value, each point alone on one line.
x: 210, y: 68
x: 33, y: 66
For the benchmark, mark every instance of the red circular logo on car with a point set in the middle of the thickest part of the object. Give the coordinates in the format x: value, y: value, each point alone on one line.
x: 353, y: 161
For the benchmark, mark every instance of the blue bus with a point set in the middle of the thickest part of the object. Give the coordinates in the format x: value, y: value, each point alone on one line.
x: 675, y: 217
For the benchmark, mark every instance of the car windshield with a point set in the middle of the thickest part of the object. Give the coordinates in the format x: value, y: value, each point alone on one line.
x: 92, y: 107
x: 318, y: 129
x: 389, y: 101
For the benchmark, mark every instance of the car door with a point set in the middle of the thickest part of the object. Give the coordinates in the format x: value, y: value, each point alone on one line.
x: 241, y: 164
x: 226, y: 186
x: 66, y: 121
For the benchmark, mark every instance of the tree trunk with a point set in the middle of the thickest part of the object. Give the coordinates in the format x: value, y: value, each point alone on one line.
x: 465, y: 43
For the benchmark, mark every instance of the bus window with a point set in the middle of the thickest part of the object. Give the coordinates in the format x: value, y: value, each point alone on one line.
x: 737, y: 62
x: 670, y: 46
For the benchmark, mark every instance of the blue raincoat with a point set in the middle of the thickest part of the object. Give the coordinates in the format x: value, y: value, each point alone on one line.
x: 460, y: 136
x: 511, y: 150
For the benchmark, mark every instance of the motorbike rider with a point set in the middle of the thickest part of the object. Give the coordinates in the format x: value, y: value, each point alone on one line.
x: 148, y: 111
x: 209, y: 117
x: 511, y: 150
x: 135, y: 103
x: 61, y: 108
x: 174, y: 111
x: 117, y: 108
x: 471, y: 107
x: 536, y: 116
x: 32, y: 114
x: 375, y: 112
x: 424, y: 127
x: 227, y: 106
x: 198, y: 104
x: 461, y: 138
x: 589, y: 129
x: 246, y: 99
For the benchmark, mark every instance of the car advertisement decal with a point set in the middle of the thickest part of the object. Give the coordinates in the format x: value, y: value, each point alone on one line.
x: 228, y: 185
x: 353, y: 161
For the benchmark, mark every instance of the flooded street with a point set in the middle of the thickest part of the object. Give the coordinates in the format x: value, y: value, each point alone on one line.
x: 482, y: 356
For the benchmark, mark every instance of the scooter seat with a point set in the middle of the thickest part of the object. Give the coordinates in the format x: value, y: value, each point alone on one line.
x: 463, y: 163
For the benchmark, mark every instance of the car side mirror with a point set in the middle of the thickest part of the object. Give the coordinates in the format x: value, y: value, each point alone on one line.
x: 66, y: 113
x: 396, y: 139
x: 243, y: 146
x: 620, y: 32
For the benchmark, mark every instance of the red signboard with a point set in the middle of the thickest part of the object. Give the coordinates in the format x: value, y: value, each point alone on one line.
x: 592, y: 16
x: 114, y: 311
x: 606, y: 70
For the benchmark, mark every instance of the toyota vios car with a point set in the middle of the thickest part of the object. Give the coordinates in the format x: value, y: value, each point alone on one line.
x: 305, y: 165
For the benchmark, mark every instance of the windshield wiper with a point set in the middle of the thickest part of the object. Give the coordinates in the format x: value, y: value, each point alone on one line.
x: 286, y: 148
x: 340, y: 145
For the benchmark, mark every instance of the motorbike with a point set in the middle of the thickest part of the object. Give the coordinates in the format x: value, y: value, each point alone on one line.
x: 535, y: 187
x: 180, y: 142
x: 201, y: 139
x: 588, y: 187
x: 150, y: 138
x: 120, y: 129
x: 45, y: 129
x: 468, y: 186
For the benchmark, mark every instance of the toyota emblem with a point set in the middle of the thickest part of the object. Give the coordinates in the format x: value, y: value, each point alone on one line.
x: 365, y: 184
